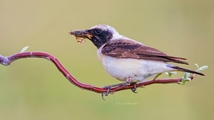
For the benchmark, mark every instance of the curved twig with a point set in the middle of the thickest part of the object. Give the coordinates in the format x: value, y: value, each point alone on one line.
x: 8, y: 60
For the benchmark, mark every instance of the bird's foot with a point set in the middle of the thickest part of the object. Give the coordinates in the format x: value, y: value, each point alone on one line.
x: 111, y: 86
x: 107, y: 92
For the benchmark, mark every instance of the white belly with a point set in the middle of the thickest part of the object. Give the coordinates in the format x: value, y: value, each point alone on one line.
x: 137, y: 70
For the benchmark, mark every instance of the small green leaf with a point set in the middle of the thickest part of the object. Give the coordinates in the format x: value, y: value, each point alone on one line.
x: 173, y: 72
x: 189, y: 79
x: 183, y: 81
x: 186, y: 75
x: 185, y: 78
x: 169, y: 74
x: 24, y: 49
x: 196, y: 65
x: 203, y: 68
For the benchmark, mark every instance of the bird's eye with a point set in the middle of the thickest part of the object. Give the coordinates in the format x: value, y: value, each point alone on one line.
x: 98, y: 31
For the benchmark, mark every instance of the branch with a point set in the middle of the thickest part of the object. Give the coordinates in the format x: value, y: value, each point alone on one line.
x: 6, y: 61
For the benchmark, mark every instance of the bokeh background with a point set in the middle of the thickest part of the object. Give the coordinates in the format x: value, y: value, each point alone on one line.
x: 33, y: 89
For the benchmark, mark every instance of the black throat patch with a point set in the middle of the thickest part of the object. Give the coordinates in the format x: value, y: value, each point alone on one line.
x: 100, y: 37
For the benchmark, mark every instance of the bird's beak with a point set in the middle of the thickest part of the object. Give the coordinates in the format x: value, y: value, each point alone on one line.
x: 81, y: 35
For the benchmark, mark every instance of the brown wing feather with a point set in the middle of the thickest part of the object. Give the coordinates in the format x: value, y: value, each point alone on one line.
x: 130, y: 49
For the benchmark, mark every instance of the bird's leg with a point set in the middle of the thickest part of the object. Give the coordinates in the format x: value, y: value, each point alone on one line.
x: 128, y: 82
x: 157, y: 76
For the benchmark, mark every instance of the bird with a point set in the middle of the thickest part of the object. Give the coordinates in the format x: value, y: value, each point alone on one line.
x: 126, y: 59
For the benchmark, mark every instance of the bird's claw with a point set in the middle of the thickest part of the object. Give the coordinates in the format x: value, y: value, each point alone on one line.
x: 103, y: 96
x: 135, y: 88
x: 107, y: 92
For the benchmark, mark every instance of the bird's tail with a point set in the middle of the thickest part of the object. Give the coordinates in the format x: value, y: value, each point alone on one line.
x: 186, y: 70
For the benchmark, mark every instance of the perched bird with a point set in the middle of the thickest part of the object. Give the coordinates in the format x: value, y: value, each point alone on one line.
x: 126, y: 59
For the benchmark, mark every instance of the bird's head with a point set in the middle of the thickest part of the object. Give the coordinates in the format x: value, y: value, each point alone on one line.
x: 98, y: 34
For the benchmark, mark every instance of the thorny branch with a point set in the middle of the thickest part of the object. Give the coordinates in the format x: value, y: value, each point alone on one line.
x: 6, y: 61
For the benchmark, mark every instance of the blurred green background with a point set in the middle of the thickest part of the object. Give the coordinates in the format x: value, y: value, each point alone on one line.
x: 33, y: 89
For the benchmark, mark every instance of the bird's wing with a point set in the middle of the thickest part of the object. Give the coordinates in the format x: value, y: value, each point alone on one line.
x: 130, y: 49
